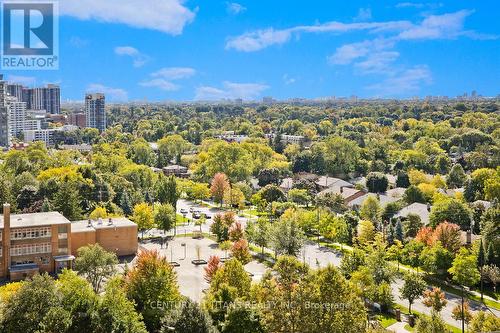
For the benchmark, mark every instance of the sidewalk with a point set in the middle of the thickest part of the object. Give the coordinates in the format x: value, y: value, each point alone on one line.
x: 398, y: 327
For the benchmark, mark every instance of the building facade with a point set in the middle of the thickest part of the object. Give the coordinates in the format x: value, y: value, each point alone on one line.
x: 4, y: 115
x: 95, y: 112
x: 48, y: 242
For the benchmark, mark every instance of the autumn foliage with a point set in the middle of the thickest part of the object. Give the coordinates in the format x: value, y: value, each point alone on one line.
x: 212, y: 267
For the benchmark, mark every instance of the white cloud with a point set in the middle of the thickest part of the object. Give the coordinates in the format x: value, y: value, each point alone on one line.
x: 364, y: 14
x: 258, y: 40
x: 231, y: 90
x: 345, y: 54
x: 438, y: 26
x: 139, y: 58
x: 168, y: 16
x: 289, y: 80
x: 377, y: 63
x: 112, y: 94
x: 445, y: 26
x: 160, y: 84
x: 418, y: 5
x: 162, y: 79
x: 407, y: 82
x: 235, y: 8
x: 24, y: 80
x: 175, y: 73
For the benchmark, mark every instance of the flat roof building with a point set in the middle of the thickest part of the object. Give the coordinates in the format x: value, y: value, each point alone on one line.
x: 47, y: 242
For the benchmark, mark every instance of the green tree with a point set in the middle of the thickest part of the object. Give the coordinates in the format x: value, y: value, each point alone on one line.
x: 95, y: 264
x: 170, y: 147
x: 116, y: 313
x: 370, y: 209
x: 30, y: 305
x: 456, y: 177
x: 286, y: 235
x: 452, y: 211
x: 143, y: 216
x: 411, y: 225
x: 376, y: 182
x: 412, y: 288
x: 243, y: 319
x: 258, y: 232
x: 188, y: 318
x: 67, y: 200
x: 299, y: 196
x: 79, y: 299
x: 434, y: 324
x: 167, y: 191
x: 165, y: 216
x: 414, y: 194
x: 484, y: 322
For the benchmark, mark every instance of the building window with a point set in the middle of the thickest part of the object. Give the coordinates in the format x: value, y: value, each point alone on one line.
x: 44, y: 260
x: 31, y: 233
x: 28, y: 249
x: 63, y: 250
x: 62, y: 236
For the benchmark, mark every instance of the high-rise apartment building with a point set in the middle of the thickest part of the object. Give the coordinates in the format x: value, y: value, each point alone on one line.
x: 41, y: 98
x: 16, y: 116
x: 4, y: 115
x: 52, y: 99
x: 95, y: 111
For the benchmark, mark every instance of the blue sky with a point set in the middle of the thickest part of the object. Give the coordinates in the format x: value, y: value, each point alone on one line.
x: 208, y: 50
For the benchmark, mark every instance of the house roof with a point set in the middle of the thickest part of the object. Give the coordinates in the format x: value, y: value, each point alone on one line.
x: 287, y: 183
x: 383, y: 198
x: 397, y: 192
x: 326, y: 181
x: 416, y: 208
x: 345, y: 192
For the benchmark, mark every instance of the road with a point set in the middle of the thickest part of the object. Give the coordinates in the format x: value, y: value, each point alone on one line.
x: 322, y: 256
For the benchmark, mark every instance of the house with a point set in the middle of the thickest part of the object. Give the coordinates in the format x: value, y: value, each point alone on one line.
x: 416, y: 208
x: 348, y: 193
x: 384, y: 199
x: 325, y: 182
x: 176, y: 170
x: 397, y: 192
x: 286, y: 184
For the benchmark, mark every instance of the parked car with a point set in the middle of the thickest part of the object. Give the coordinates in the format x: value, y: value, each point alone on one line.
x: 196, y: 215
x: 184, y: 211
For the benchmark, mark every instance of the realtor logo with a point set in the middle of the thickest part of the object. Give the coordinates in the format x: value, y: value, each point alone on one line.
x: 30, y: 35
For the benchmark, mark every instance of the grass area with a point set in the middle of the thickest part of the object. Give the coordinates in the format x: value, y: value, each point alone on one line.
x: 417, y: 314
x: 180, y: 220
x: 386, y: 319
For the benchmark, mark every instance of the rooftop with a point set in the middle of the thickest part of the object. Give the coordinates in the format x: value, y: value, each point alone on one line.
x: 117, y: 222
x: 416, y: 208
x: 345, y: 192
x: 35, y: 219
x: 325, y: 181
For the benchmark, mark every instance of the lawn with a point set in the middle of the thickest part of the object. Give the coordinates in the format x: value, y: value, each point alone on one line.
x: 386, y: 319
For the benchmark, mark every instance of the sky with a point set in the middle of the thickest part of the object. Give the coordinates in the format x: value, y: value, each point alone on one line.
x: 159, y: 50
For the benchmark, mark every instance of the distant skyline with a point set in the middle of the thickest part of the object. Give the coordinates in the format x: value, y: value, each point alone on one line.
x: 197, y: 50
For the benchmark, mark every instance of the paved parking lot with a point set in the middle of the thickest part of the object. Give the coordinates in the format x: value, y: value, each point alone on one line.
x: 190, y: 277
